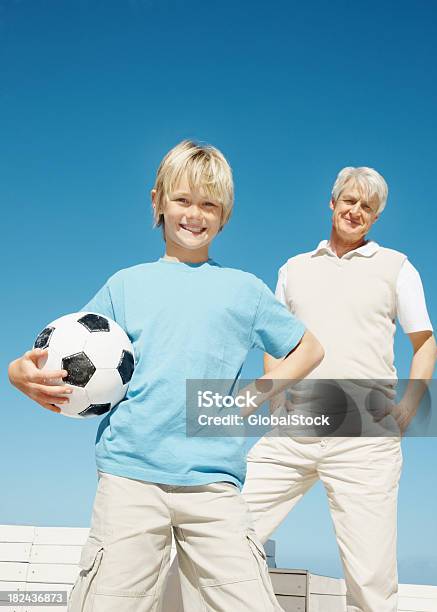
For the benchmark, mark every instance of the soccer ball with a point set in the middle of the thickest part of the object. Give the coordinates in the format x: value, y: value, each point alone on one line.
x: 99, y: 359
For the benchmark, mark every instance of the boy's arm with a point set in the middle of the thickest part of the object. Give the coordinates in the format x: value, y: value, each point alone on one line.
x: 306, y: 356
x: 281, y: 373
x: 270, y: 362
x: 280, y: 400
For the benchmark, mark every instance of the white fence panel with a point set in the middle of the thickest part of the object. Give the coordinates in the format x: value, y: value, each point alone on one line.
x: 61, y: 535
x: 15, y: 551
x: 45, y: 553
x: 16, y: 533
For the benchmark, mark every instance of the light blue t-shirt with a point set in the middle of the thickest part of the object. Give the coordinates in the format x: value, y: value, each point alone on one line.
x: 185, y: 321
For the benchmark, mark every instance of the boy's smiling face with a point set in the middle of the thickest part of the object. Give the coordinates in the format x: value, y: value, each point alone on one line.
x: 191, y: 218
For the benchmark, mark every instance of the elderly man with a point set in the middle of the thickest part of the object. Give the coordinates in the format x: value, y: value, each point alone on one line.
x: 349, y: 291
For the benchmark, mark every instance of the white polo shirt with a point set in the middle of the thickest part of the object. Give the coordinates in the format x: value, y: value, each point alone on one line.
x: 411, y: 310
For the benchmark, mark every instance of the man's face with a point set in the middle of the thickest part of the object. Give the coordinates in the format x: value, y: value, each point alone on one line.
x: 353, y: 214
x: 191, y: 218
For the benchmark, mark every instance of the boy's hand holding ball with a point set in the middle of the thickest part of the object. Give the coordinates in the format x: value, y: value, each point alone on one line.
x: 43, y: 387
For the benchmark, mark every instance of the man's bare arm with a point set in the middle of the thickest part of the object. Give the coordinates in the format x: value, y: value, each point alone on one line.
x: 421, y: 371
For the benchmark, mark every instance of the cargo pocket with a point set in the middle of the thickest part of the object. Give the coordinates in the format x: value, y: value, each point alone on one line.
x: 266, y: 587
x: 81, y: 595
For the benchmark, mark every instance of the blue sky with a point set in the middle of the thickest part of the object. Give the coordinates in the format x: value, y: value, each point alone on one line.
x: 93, y: 94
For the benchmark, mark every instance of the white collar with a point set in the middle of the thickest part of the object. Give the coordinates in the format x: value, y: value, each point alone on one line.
x: 366, y: 250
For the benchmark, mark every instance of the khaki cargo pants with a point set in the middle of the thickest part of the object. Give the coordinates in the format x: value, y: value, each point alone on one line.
x: 126, y: 557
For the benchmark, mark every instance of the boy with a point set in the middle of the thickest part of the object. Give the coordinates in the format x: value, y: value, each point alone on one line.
x: 188, y: 318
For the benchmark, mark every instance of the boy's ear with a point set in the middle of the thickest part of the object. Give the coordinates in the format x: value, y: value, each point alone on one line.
x: 153, y: 197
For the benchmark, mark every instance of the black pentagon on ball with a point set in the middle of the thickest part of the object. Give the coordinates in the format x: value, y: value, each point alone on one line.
x: 94, y: 323
x: 95, y: 410
x: 43, y: 339
x: 126, y: 366
x: 79, y: 368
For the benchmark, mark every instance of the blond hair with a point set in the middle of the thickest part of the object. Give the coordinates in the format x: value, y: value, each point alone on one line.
x: 368, y: 181
x: 205, y: 166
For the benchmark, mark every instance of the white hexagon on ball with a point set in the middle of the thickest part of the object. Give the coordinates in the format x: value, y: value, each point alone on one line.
x: 68, y: 333
x: 102, y: 347
x: 104, y: 381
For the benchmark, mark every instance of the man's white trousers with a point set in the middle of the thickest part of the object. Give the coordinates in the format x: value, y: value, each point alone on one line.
x: 361, y: 477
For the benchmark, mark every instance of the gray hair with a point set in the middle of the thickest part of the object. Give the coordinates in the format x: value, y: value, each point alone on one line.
x: 368, y: 180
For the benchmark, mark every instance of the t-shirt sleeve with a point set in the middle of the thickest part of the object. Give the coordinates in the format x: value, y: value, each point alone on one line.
x: 410, y: 300
x: 101, y: 303
x: 275, y: 330
x: 280, y: 291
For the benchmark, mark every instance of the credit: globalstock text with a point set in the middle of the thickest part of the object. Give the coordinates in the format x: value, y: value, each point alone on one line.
x: 230, y: 420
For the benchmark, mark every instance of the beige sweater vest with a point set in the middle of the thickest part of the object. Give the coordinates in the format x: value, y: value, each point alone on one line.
x: 350, y: 306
